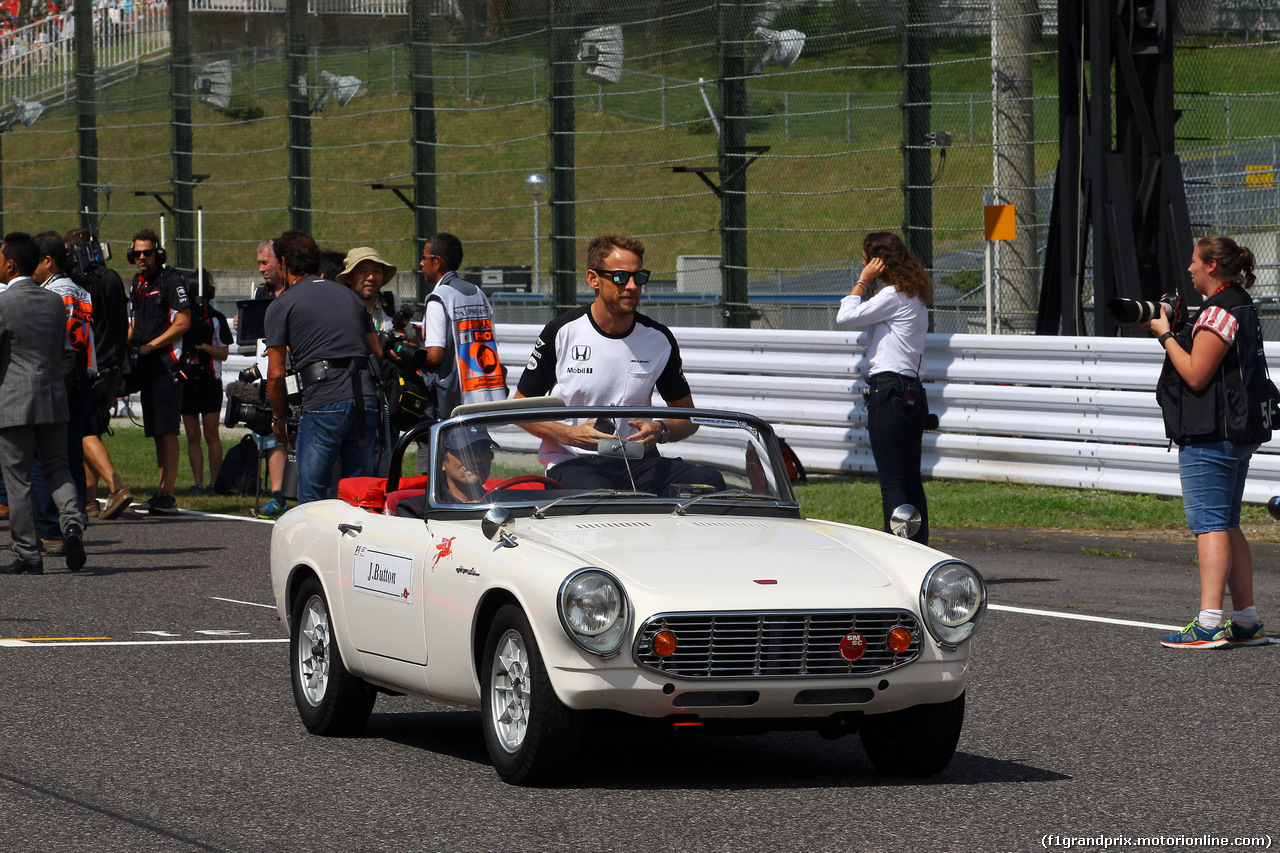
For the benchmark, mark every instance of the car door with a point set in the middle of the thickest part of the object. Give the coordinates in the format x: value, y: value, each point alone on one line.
x: 382, y: 562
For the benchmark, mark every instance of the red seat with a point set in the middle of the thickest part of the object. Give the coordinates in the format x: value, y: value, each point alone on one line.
x: 371, y: 492
x: 393, y: 499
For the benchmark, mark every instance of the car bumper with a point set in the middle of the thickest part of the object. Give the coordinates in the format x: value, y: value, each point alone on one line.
x: 648, y: 694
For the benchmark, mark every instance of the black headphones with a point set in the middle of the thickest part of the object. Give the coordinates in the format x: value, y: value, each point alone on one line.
x: 161, y: 255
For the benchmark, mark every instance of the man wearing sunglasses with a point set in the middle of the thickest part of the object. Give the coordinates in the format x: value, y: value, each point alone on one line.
x: 161, y: 316
x: 609, y: 354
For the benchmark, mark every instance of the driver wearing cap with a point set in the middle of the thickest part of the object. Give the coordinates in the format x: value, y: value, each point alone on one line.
x: 468, y: 456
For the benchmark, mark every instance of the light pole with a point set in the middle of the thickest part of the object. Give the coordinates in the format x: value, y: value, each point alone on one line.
x: 536, y: 184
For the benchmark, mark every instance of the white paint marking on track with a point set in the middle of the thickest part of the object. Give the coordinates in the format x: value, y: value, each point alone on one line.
x: 1080, y: 617
x: 238, y: 601
x: 34, y: 643
x: 226, y: 517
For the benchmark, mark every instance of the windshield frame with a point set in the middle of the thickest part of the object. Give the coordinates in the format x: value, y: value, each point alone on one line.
x: 526, y: 410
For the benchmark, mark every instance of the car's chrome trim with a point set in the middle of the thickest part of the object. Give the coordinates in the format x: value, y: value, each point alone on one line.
x: 776, y: 643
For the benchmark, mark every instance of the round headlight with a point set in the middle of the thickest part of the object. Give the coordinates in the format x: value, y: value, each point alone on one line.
x: 593, y: 609
x: 953, y: 600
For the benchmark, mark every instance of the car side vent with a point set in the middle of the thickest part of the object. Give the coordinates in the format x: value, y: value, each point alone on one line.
x: 601, y: 525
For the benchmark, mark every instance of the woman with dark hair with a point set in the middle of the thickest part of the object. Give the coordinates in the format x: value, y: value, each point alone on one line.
x: 889, y: 298
x: 1210, y: 368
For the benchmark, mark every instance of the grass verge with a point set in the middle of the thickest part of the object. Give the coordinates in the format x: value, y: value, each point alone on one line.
x: 850, y: 500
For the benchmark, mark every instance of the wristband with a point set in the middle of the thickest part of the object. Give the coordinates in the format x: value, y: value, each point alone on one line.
x: 665, y: 435
x: 1164, y: 338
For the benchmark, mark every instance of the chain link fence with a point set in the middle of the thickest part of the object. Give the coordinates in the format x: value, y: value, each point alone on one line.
x: 856, y: 116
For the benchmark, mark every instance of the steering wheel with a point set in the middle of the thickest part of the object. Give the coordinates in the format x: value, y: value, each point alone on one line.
x: 524, y: 478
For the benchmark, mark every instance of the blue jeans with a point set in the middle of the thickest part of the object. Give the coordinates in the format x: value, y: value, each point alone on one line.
x: 329, y: 434
x: 1213, y: 475
x: 896, y: 411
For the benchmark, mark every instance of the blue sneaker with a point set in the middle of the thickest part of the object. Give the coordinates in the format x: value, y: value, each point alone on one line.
x: 272, y: 509
x: 1196, y: 636
x: 1238, y: 635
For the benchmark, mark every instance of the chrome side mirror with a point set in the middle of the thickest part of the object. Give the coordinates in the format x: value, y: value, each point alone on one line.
x: 905, y: 521
x: 497, y: 524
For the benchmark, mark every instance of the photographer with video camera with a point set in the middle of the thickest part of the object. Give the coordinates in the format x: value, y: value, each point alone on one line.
x: 88, y: 268
x: 161, y: 316
x: 326, y: 328
x: 1213, y: 393
x: 204, y: 348
x: 366, y: 273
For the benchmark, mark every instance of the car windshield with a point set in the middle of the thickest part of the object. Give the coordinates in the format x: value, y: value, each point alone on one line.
x: 563, y: 459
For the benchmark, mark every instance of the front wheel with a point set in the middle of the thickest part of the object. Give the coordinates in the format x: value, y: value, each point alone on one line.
x: 916, y: 741
x: 330, y: 700
x: 531, y: 736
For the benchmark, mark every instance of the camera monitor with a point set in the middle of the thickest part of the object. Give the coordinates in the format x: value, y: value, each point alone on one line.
x: 251, y: 317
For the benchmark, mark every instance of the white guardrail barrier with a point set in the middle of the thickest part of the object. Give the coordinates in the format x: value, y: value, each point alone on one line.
x: 1058, y: 411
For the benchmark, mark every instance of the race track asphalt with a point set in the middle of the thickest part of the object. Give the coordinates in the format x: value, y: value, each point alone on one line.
x: 1074, y: 726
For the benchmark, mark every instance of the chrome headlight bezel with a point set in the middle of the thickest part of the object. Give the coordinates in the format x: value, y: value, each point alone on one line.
x: 607, y: 641
x: 950, y: 633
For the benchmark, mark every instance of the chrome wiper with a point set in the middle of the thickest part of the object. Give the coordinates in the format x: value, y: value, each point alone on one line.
x: 540, y: 511
x: 727, y: 493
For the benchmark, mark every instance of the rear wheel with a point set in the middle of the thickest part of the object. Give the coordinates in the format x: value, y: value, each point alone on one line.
x: 915, y: 741
x: 531, y: 736
x: 330, y: 700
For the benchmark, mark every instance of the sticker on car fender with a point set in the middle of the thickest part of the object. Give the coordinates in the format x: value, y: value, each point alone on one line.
x: 383, y: 573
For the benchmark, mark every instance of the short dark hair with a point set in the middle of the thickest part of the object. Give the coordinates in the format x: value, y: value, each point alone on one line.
x: 298, y: 251
x: 599, y: 248
x: 50, y: 244
x: 22, y: 250
x: 149, y: 235
x: 331, y: 263
x: 447, y: 248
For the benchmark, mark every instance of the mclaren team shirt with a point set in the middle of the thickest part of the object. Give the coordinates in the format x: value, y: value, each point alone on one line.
x: 577, y: 361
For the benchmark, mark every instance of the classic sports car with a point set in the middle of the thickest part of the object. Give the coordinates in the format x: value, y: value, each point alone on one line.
x: 683, y: 593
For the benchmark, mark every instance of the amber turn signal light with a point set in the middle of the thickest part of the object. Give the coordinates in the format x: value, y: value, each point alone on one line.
x: 899, y: 640
x: 664, y: 644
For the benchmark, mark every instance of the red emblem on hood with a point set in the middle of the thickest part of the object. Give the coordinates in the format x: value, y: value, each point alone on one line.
x: 852, y: 646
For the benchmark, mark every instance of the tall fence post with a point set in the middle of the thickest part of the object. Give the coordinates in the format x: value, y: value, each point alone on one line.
x: 299, y: 117
x: 917, y: 95
x: 424, y: 130
x: 86, y: 114
x: 564, y: 256
x: 182, y: 94
x: 733, y: 164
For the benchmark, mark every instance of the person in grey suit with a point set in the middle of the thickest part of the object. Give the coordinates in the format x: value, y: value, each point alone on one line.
x: 33, y: 406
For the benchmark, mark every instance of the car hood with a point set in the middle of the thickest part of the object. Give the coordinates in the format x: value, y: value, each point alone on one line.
x: 709, y: 552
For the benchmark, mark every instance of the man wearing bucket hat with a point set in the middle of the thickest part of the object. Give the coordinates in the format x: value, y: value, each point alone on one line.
x: 366, y: 273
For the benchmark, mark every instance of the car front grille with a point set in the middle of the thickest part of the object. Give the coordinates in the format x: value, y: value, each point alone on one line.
x: 779, y: 644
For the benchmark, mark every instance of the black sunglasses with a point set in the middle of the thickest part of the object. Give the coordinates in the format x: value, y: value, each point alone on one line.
x: 621, y: 277
x: 144, y: 253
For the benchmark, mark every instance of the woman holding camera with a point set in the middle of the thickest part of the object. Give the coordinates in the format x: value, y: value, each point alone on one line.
x: 1209, y: 369
x: 889, y: 298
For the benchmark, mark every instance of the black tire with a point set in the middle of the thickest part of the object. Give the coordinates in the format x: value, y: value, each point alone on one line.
x: 916, y: 741
x: 330, y: 700
x: 537, y: 744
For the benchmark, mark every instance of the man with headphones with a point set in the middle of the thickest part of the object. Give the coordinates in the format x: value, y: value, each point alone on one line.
x: 161, y: 316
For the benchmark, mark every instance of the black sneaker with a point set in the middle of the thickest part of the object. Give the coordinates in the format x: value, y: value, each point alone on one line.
x: 73, y: 545
x: 162, y: 503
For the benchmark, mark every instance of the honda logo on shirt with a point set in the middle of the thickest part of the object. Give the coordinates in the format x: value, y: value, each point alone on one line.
x: 581, y: 353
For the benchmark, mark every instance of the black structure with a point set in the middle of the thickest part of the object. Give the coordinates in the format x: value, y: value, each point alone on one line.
x: 1123, y: 184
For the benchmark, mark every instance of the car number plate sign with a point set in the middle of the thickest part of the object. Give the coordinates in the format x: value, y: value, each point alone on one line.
x: 383, y: 573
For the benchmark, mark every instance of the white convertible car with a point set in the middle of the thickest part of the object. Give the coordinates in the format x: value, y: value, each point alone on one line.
x: 686, y: 594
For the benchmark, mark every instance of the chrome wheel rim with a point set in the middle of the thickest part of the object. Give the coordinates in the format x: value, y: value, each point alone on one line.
x: 313, y: 651
x: 511, y: 691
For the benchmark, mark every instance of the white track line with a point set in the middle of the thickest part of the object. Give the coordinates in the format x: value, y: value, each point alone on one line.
x: 1080, y: 617
x: 238, y: 601
x: 14, y: 644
